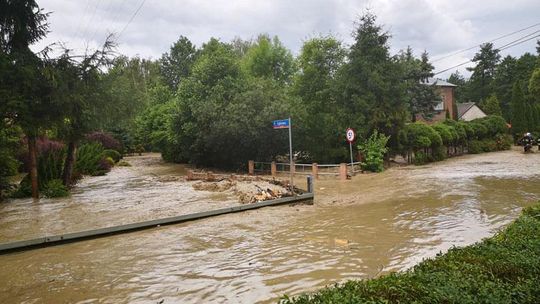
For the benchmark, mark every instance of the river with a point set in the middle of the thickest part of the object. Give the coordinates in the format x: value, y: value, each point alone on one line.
x: 370, y: 225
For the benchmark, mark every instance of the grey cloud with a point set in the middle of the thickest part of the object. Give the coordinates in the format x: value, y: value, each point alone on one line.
x: 438, y: 26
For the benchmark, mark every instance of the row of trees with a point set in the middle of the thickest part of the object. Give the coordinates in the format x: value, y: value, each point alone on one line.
x: 509, y: 87
x: 218, y: 101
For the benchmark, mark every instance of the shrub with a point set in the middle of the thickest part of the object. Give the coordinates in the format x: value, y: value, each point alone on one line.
x: 89, y: 158
x: 373, y: 150
x: 439, y: 153
x: 504, y: 142
x: 420, y: 158
x: 104, y: 166
x: 475, y: 147
x: 106, y: 140
x: 124, y: 164
x: 55, y: 188
x: 9, y: 143
x: 115, y: 155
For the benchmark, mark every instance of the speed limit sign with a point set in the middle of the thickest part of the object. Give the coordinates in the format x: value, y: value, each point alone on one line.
x: 350, y: 135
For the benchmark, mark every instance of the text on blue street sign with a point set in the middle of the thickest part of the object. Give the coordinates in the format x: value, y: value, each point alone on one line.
x: 280, y: 124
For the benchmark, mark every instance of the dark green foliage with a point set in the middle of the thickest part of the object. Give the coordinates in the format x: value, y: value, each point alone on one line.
x: 89, y: 159
x: 55, y: 188
x: 491, y: 106
x: 373, y: 150
x: 113, y: 154
x: 501, y: 269
x: 9, y: 141
x: 177, y: 63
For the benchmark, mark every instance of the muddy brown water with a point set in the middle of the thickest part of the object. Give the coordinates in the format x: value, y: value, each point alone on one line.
x: 357, y: 229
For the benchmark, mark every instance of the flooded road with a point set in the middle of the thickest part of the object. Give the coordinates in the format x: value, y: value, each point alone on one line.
x: 357, y: 229
x: 148, y: 190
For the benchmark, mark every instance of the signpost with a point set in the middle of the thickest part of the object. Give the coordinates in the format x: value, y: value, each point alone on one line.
x: 286, y: 124
x: 350, y: 139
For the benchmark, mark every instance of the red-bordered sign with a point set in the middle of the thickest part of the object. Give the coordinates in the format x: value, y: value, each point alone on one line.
x: 350, y: 135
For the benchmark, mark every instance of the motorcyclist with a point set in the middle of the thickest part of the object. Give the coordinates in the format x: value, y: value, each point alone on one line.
x: 527, y: 142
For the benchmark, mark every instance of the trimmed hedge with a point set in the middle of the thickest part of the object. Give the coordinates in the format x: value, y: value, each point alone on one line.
x: 421, y: 143
x: 502, y: 269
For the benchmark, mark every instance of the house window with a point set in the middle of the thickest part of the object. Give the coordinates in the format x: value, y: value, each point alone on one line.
x: 439, y: 106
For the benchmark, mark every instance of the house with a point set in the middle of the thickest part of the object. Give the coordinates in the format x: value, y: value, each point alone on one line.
x: 468, y: 111
x: 447, y: 103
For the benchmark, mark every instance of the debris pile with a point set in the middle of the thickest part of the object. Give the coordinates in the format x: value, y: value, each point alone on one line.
x: 248, y: 189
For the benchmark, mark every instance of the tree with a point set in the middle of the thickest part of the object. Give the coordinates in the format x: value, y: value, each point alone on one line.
x: 534, y: 85
x: 520, y: 121
x: 29, y: 102
x: 79, y: 88
x: 460, y: 94
x: 483, y: 73
x: 503, y: 83
x: 421, y: 97
x: 371, y: 86
x: 269, y: 58
x: 319, y: 61
x: 177, y: 63
x: 491, y: 106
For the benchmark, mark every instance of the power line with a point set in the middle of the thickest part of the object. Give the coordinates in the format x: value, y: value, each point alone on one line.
x: 493, y: 40
x: 506, y: 46
x: 132, y: 17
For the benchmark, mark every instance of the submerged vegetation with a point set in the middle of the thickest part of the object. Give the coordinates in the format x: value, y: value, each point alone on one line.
x: 501, y: 269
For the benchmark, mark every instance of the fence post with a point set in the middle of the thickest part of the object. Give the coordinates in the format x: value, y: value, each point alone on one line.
x: 251, y: 167
x: 343, y: 171
x: 273, y: 169
x: 293, y: 168
x: 315, y: 170
x: 309, y: 184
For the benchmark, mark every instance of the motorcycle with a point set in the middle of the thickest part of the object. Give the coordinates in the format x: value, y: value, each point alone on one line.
x: 527, y: 145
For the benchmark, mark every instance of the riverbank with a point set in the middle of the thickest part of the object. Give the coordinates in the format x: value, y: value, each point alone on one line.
x: 502, y: 269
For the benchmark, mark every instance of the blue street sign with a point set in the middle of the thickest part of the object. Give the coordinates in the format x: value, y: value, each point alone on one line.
x: 280, y: 124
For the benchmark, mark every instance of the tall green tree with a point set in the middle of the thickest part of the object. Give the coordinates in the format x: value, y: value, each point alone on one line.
x: 483, y: 73
x: 319, y: 61
x: 421, y: 96
x: 177, y: 63
x: 460, y: 94
x: 270, y: 59
x: 520, y: 117
x: 491, y: 106
x: 25, y: 74
x: 372, y: 88
x: 80, y: 90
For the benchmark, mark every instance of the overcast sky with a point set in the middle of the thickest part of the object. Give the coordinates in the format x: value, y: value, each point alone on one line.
x: 440, y: 27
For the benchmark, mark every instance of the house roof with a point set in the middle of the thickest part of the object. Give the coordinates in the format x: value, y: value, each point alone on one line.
x: 439, y: 82
x: 462, y: 108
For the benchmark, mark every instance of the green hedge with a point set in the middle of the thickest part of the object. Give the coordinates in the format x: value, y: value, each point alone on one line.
x: 501, y: 269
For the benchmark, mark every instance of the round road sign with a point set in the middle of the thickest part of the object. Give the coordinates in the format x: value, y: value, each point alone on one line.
x: 350, y: 135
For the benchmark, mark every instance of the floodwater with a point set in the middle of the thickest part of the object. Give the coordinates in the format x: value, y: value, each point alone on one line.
x: 357, y: 229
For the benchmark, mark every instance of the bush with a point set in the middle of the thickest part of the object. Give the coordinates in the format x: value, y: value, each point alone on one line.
x: 439, y: 153
x: 474, y: 147
x: 115, y: 155
x: 504, y: 142
x: 501, y: 269
x: 89, y: 158
x: 373, y: 150
x: 124, y: 164
x: 55, y: 188
x: 106, y: 140
x: 420, y: 158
